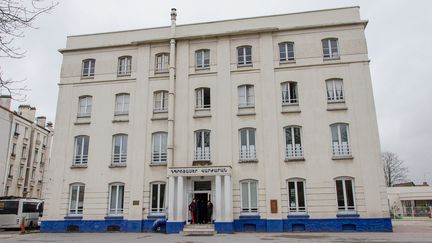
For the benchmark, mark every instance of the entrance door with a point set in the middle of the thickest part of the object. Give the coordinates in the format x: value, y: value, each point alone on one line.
x: 202, y: 215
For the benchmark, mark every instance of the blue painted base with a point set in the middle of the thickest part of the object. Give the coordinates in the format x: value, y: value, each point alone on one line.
x: 59, y: 226
x: 174, y: 227
x: 224, y: 227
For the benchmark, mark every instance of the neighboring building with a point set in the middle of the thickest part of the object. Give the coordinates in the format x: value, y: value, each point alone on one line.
x: 410, y: 200
x: 271, y: 118
x: 24, y: 150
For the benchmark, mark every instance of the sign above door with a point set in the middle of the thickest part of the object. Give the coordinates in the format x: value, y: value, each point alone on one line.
x: 199, y: 171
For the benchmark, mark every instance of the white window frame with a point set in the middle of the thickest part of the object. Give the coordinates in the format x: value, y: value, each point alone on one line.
x: 122, y: 102
x: 334, y: 94
x: 247, y: 59
x: 345, y: 208
x: 340, y: 148
x: 76, y: 210
x: 161, y: 156
x: 297, y: 209
x: 88, y: 68
x: 204, y: 62
x: 200, y: 98
x: 160, y: 209
x: 162, y: 62
x: 249, y: 209
x: 246, y: 96
x: 85, y: 105
x: 119, y: 158
x: 124, y: 66
x: 202, y: 153
x: 293, y: 150
x: 79, y: 157
x: 284, y: 52
x: 333, y: 51
x: 248, y: 152
x: 286, y: 93
x: 116, y: 209
x: 160, y: 101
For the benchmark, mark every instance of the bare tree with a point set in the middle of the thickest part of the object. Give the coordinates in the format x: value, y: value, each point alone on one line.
x: 15, y: 17
x: 394, y: 169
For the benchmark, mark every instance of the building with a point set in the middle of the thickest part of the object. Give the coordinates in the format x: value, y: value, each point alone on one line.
x: 271, y: 118
x: 24, y: 150
x: 408, y: 200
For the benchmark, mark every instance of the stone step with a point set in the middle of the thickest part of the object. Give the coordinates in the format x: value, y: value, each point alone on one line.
x: 199, y: 230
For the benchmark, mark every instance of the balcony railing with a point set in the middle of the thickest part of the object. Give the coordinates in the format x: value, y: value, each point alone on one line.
x: 80, y: 159
x: 119, y: 158
x: 247, y: 152
x: 159, y: 157
x: 202, y: 153
x: 335, y: 95
x: 341, y: 149
x: 295, y: 151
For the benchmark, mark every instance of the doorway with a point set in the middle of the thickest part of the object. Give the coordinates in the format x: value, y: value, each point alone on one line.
x: 201, y: 199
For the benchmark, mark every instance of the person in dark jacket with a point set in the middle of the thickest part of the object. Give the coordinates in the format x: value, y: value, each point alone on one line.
x: 193, y: 211
x: 209, y: 211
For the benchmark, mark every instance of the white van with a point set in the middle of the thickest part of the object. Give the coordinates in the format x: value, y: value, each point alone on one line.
x: 14, y: 210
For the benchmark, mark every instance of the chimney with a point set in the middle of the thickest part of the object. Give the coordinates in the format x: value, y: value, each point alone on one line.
x: 49, y: 126
x: 5, y: 101
x: 27, y: 112
x: 41, y: 120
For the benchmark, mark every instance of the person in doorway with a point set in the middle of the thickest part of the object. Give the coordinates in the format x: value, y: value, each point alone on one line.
x: 209, y: 211
x: 192, y: 210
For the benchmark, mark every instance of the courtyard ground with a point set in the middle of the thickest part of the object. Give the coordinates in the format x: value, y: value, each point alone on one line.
x: 404, y: 231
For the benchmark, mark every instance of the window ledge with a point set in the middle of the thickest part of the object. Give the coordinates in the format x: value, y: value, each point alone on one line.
x: 119, y: 165
x: 123, y: 75
x: 202, y: 162
x: 202, y: 116
x: 83, y: 116
x: 202, y: 68
x: 159, y: 72
x: 347, y: 215
x: 82, y: 123
x: 290, y: 112
x: 337, y: 109
x: 156, y: 216
x: 298, y: 216
x: 287, y: 62
x: 78, y: 166
x: 244, y: 65
x: 249, y: 216
x: 342, y: 157
x: 290, y: 104
x: 159, y: 118
x: 245, y: 161
x: 160, y: 111
x: 246, y: 107
x: 294, y: 159
x: 75, y: 217
x: 158, y: 164
x: 331, y: 58
x: 335, y: 101
x: 113, y: 217
x: 120, y: 120
x: 246, y: 114
x: 87, y: 77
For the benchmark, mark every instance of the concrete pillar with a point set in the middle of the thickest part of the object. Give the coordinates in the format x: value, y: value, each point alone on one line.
x: 180, y: 198
x: 228, y: 198
x: 171, y: 186
x: 218, y: 198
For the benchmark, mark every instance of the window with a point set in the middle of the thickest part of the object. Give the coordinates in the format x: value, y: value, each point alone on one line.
x: 76, y: 199
x: 157, y: 198
x: 249, y: 196
x: 247, y: 144
x: 36, y: 155
x: 124, y: 65
x: 85, y: 104
x: 244, y: 55
x: 160, y: 103
x: 81, y: 150
x: 10, y: 172
x: 340, y: 139
x: 119, y: 155
x: 33, y: 173
x: 286, y: 51
x: 289, y: 93
x: 202, y: 145
x: 330, y: 48
x: 122, y: 104
x: 88, y: 68
x: 296, y: 196
x: 26, y: 133
x: 202, y: 58
x: 159, y: 154
x: 202, y: 98
x: 21, y: 172
x: 24, y: 152
x: 335, y: 91
x: 246, y: 96
x: 16, y: 131
x: 13, y: 152
x: 345, y: 194
x: 293, y: 142
x: 116, y: 199
x: 162, y: 62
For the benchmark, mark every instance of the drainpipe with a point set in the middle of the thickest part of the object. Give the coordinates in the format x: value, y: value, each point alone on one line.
x: 171, y: 96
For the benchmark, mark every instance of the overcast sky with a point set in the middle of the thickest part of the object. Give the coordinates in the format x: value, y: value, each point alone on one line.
x: 399, y: 36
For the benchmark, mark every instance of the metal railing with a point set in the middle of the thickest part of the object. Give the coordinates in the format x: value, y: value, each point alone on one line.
x: 341, y: 149
x: 202, y: 153
x: 80, y: 159
x: 119, y: 158
x: 295, y: 151
x: 247, y: 152
x: 159, y: 157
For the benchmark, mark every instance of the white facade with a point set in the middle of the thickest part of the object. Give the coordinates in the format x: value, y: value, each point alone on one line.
x: 262, y: 101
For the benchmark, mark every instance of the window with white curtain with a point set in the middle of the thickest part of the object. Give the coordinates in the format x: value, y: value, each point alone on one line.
x: 330, y: 48
x: 116, y: 199
x: 247, y: 144
x: 157, y: 197
x: 345, y: 194
x: 81, y: 150
x: 202, y: 98
x: 286, y: 52
x: 122, y: 104
x: 76, y: 199
x: 159, y: 152
x: 335, y: 91
x: 124, y: 65
x: 202, y: 58
x: 244, y: 55
x: 296, y: 196
x: 246, y: 96
x: 160, y: 101
x: 88, y: 68
x: 119, y: 154
x: 249, y: 196
x: 340, y: 139
x: 289, y: 93
x: 85, y: 104
x: 202, y: 145
x: 293, y: 142
x: 162, y: 62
